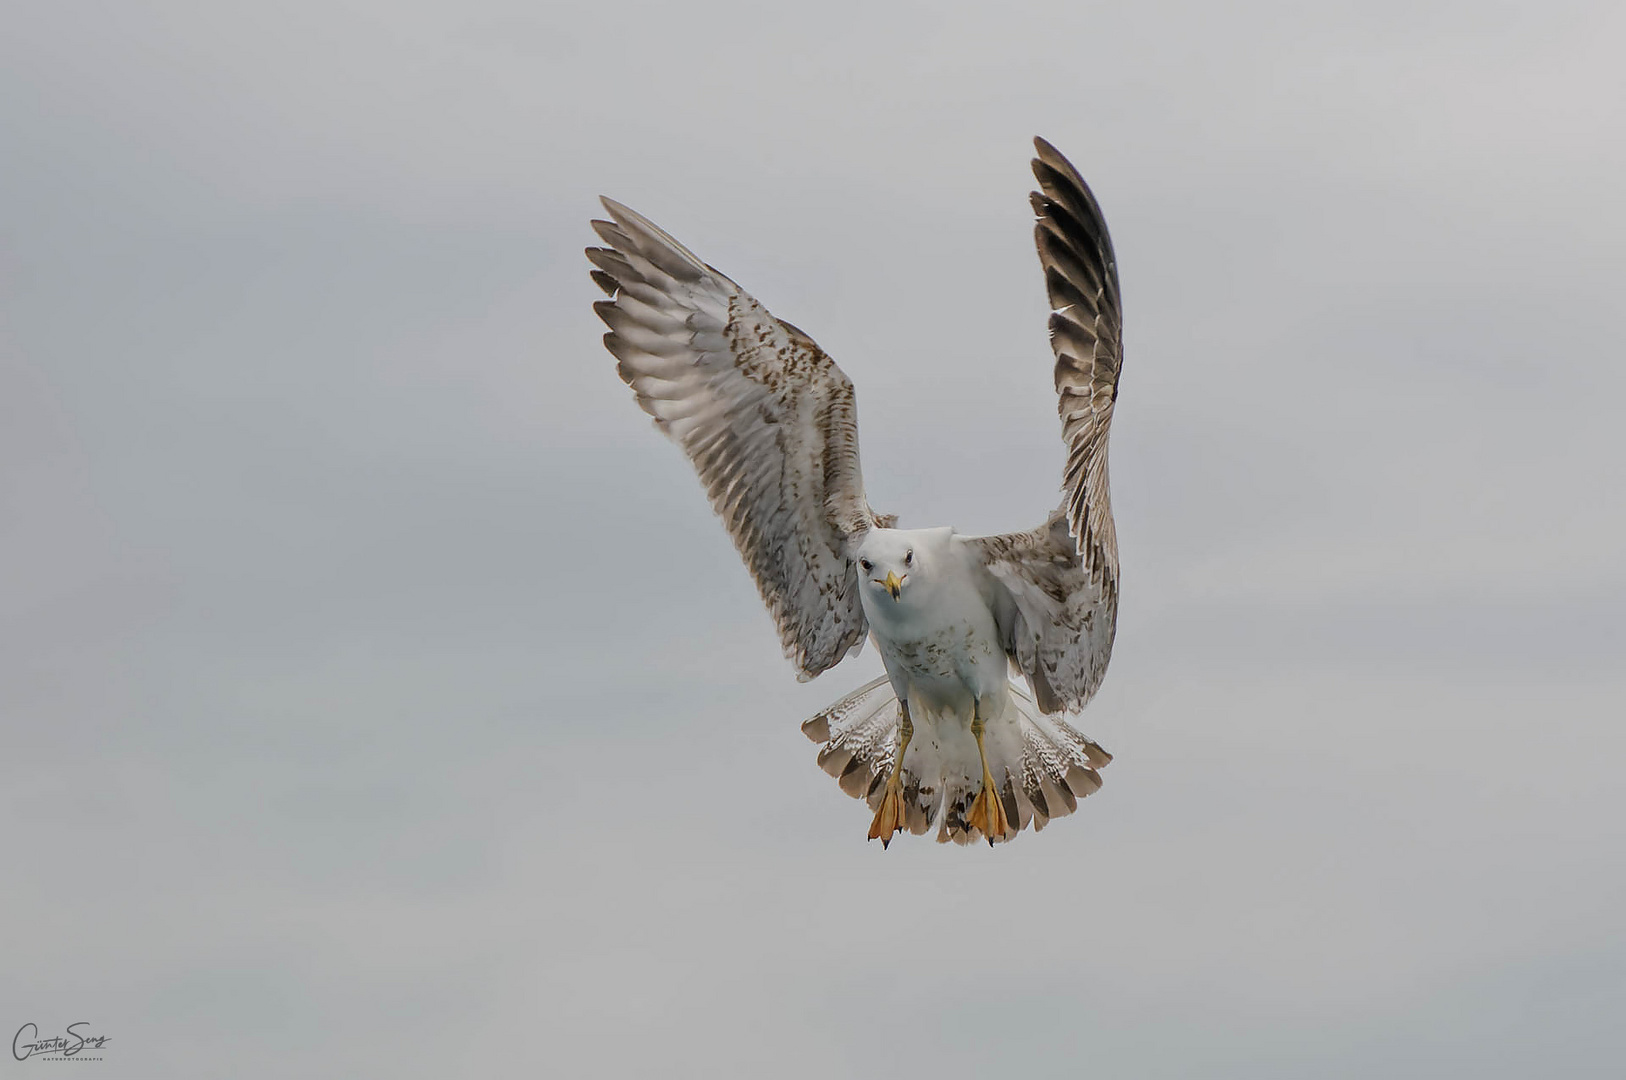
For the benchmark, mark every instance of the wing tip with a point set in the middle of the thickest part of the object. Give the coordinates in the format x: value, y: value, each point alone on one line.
x: 1051, y: 158
x: 631, y: 232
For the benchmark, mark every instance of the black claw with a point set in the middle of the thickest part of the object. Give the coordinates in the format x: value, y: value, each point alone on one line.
x: 886, y: 842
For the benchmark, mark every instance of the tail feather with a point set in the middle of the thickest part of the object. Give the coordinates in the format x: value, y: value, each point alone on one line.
x: 1042, y: 765
x: 860, y: 737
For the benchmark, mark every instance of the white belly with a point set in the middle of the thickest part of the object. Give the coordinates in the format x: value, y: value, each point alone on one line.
x: 944, y: 655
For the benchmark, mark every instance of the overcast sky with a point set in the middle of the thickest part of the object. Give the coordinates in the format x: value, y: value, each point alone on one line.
x: 380, y: 697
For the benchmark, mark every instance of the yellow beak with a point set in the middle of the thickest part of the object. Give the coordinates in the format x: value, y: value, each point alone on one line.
x: 893, y: 583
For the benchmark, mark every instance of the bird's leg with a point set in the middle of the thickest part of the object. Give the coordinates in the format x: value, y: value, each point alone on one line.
x: 987, y: 812
x: 889, y: 815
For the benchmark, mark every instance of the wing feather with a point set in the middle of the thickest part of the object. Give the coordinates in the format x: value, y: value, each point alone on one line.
x: 1055, y: 588
x: 766, y: 418
x: 1056, y: 619
x: 1086, y: 334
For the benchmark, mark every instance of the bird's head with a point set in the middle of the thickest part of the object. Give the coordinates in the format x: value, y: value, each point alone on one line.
x: 891, y: 561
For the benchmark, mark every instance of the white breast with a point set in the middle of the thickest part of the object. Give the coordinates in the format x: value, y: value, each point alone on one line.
x: 942, y: 644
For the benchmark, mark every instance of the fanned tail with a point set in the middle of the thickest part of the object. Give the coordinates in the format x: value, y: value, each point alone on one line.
x: 1040, y: 763
x: 860, y: 733
x: 1060, y: 765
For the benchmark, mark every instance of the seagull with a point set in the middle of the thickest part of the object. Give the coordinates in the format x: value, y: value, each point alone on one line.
x: 987, y: 641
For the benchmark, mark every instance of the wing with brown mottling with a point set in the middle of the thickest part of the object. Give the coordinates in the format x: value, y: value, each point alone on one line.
x: 1086, y: 334
x: 1056, y: 619
x: 768, y: 420
x: 1057, y: 599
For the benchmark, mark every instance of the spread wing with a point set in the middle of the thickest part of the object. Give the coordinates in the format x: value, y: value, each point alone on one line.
x: 767, y: 419
x: 1055, y: 618
x: 1057, y: 586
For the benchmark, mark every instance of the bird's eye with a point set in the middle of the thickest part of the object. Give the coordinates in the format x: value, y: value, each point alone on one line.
x: 866, y: 564
x: 909, y: 557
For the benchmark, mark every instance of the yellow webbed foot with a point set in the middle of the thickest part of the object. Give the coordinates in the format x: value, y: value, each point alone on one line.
x: 987, y: 814
x: 889, y: 816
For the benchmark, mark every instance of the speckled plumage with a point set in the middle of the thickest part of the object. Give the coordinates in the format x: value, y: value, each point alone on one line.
x: 770, y: 424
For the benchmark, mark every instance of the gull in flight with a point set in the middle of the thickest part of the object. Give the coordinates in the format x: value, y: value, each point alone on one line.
x: 988, y: 641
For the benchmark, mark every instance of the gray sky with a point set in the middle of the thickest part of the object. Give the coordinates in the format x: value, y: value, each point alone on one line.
x: 380, y: 697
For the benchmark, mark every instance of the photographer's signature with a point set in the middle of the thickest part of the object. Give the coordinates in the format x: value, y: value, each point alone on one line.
x: 28, y: 1042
